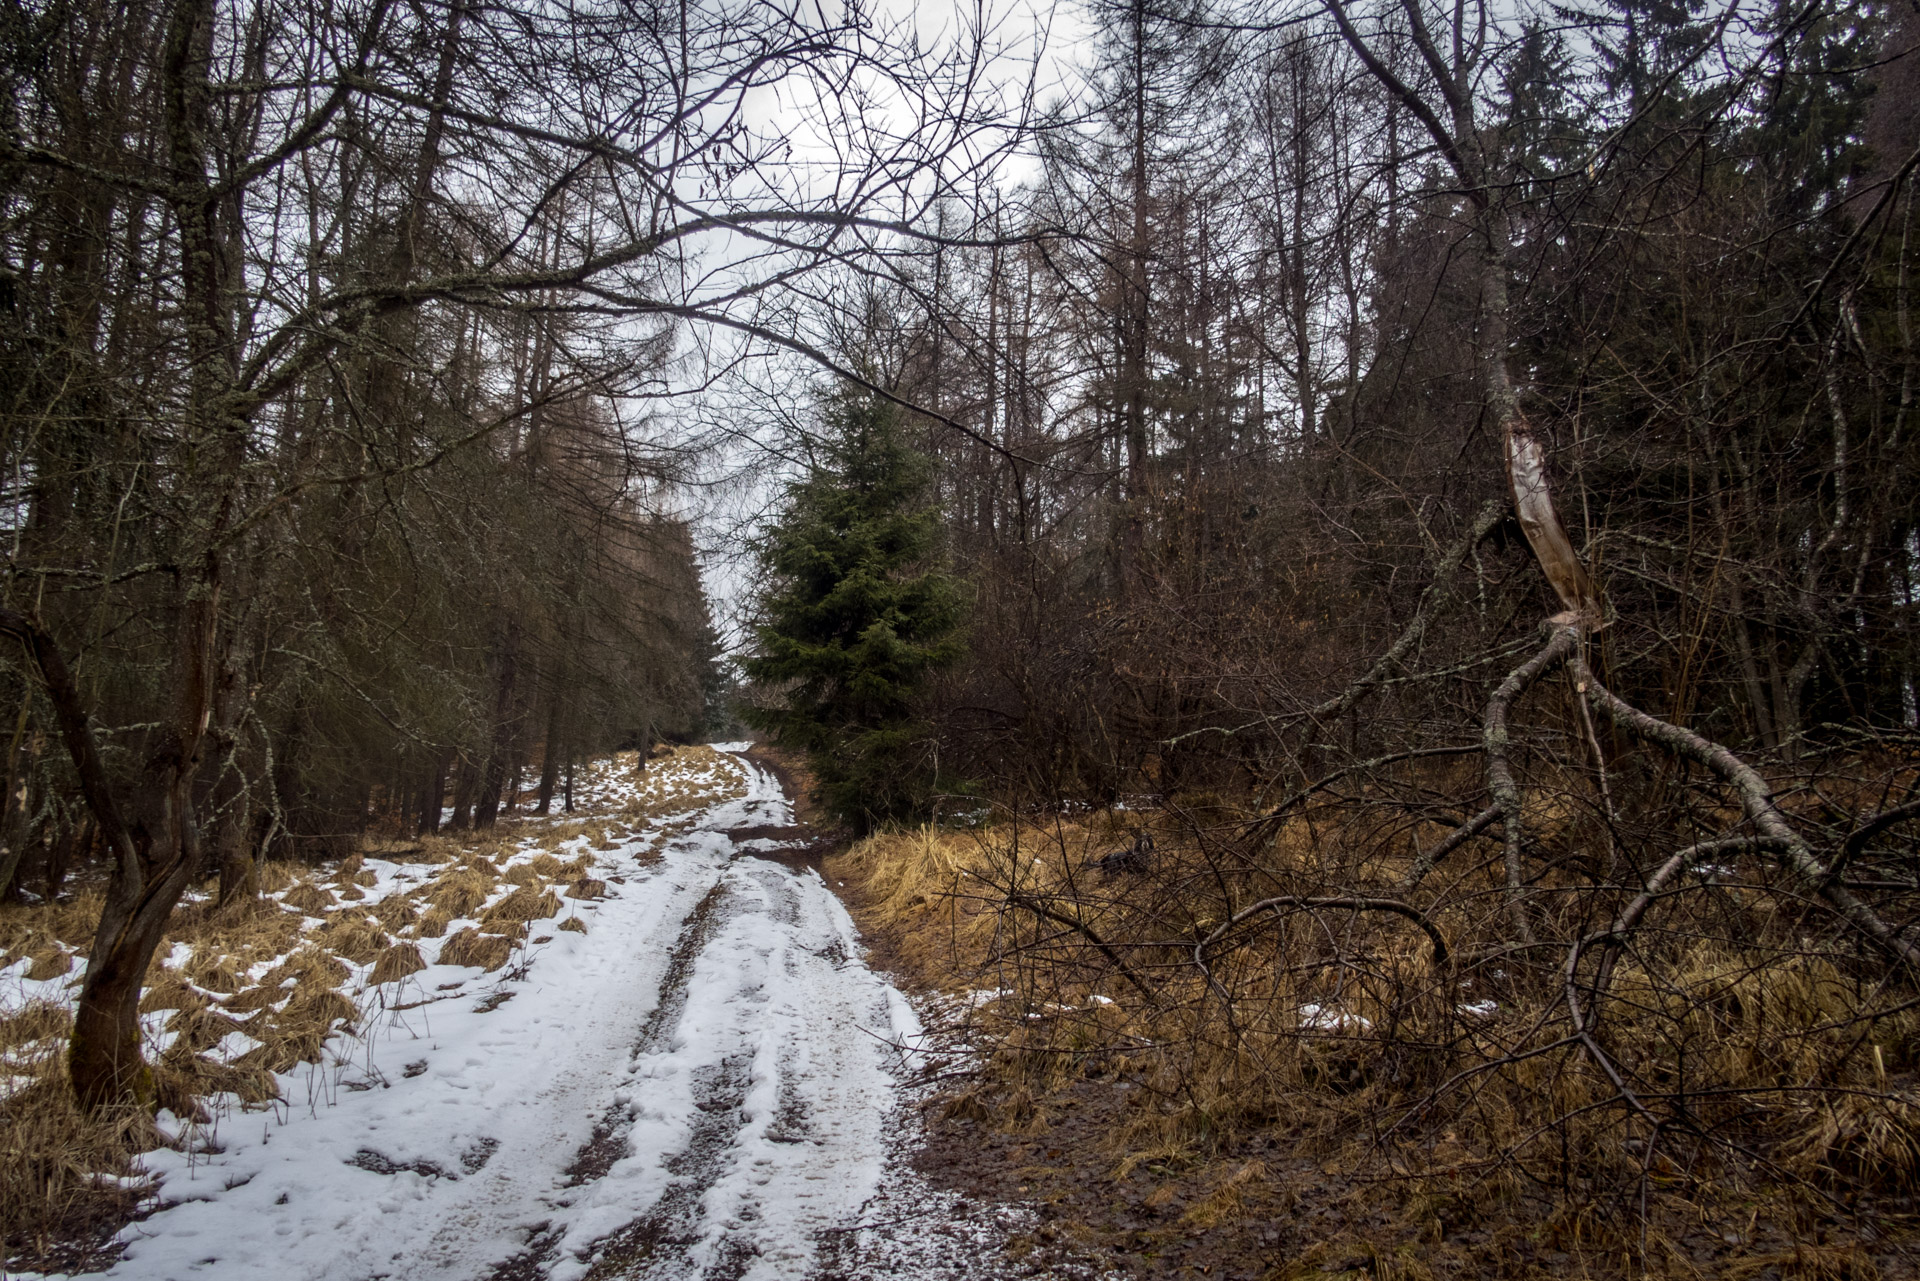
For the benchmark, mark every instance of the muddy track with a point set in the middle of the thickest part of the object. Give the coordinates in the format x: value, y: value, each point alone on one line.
x: 752, y: 1113
x: 609, y: 1142
x: 704, y: 1082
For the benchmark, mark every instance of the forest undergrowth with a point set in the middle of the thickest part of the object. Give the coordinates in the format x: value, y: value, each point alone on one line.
x: 259, y: 1007
x: 1690, y: 1068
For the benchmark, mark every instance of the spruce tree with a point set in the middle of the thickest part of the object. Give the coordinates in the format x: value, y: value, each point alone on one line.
x: 857, y: 614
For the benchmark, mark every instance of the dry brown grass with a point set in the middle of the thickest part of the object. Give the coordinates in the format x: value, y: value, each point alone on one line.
x: 527, y: 903
x: 434, y: 924
x: 471, y: 947
x: 298, y: 1031
x: 59, y: 1201
x: 356, y: 940
x: 50, y: 963
x: 460, y: 892
x: 213, y: 968
x: 49, y: 1186
x: 1783, y: 1067
x: 396, y: 963
x: 395, y: 913
x: 312, y: 899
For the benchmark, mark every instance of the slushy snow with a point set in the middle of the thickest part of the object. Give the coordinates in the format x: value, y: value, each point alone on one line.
x: 703, y: 1084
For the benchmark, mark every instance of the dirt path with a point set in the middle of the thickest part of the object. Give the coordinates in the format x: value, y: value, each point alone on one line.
x: 706, y: 1084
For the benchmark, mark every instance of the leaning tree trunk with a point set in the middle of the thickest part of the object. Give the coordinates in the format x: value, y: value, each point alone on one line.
x: 149, y: 823
x: 155, y: 855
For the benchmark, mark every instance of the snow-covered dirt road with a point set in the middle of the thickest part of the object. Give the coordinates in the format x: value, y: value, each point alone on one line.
x: 703, y: 1084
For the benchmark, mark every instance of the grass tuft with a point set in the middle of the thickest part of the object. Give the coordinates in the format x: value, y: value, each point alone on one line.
x: 396, y: 963
x: 471, y: 947
x: 527, y: 903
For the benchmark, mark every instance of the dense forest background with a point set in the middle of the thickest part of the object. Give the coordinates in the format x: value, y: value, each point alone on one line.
x: 1349, y: 432
x: 1432, y: 495
x: 1232, y: 406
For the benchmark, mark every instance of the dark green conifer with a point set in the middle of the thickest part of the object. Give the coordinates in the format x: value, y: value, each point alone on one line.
x: 858, y: 613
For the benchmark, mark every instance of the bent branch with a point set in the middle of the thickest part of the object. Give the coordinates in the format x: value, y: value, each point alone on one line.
x: 1756, y: 802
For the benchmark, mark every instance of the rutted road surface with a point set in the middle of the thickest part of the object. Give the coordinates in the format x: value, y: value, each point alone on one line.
x: 704, y: 1084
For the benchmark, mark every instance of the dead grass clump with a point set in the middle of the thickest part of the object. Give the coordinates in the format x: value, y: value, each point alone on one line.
x: 181, y: 1080
x: 460, y: 893
x: 415, y: 849
x: 61, y: 1199
x: 396, y: 963
x: 261, y: 996
x: 72, y: 920
x: 277, y: 875
x: 310, y: 966
x: 920, y: 887
x: 298, y: 1032
x: 587, y: 887
x: 203, y: 1028
x: 60, y: 1203
x: 434, y: 924
x: 50, y: 963
x: 213, y: 970
x: 34, y: 1026
x: 249, y: 930
x: 526, y: 903
x: 471, y: 947
x: 358, y: 941
x: 395, y: 913
x: 574, y: 925
x: 169, y: 992
x: 312, y: 899
x: 548, y: 866
x: 1858, y: 1138
x: 523, y: 874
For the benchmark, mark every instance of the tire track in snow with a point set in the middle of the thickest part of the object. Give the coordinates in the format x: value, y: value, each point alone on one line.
x: 609, y: 1142
x: 765, y: 1165
x: 703, y: 1086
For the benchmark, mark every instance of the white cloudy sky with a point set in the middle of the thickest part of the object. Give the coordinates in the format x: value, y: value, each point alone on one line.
x: 1037, y: 47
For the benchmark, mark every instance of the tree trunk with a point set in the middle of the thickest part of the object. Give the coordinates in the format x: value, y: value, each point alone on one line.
x: 436, y: 798
x: 234, y: 851
x: 465, y: 783
x: 14, y: 811
x: 549, y: 756
x: 503, y: 727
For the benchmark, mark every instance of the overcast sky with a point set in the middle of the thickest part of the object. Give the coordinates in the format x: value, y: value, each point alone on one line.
x: 1035, y: 43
